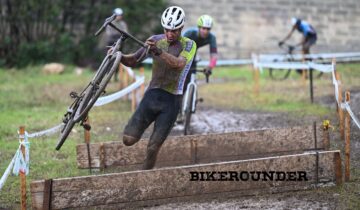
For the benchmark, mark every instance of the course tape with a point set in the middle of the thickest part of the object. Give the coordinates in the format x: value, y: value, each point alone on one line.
x: 7, y: 172
x: 351, y: 113
x: 346, y: 56
x: 46, y: 132
x: 115, y: 96
x: 18, y: 163
x: 22, y: 164
x: 326, y: 68
x: 352, y: 56
x: 230, y: 62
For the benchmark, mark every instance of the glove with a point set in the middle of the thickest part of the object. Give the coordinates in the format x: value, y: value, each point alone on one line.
x: 153, y: 49
x: 208, y: 71
x: 281, y: 43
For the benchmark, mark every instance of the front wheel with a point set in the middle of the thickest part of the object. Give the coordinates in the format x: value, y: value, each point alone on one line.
x: 188, y: 110
x: 279, y: 74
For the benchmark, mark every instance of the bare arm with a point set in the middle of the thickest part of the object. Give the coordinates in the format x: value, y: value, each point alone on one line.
x: 129, y: 60
x: 172, y: 61
x: 290, y: 33
x: 213, y: 60
x: 132, y: 59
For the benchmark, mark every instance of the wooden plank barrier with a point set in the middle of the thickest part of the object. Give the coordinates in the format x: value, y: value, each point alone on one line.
x: 186, y: 150
x: 184, y: 183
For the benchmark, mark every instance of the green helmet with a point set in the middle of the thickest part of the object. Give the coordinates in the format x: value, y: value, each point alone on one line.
x: 205, y: 21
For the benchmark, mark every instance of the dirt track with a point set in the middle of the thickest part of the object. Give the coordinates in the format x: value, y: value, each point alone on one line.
x: 208, y: 120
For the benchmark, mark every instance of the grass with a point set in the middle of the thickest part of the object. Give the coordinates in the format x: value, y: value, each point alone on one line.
x: 37, y: 101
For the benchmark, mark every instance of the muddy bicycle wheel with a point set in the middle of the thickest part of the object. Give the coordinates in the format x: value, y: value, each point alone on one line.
x: 188, y: 110
x: 64, y: 133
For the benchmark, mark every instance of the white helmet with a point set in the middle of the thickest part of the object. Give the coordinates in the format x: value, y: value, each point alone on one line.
x: 173, y: 18
x: 118, y: 11
x: 294, y: 21
x: 205, y: 21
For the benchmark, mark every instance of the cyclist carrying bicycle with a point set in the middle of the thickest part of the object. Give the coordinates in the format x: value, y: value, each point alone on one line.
x: 309, y: 34
x: 172, y: 57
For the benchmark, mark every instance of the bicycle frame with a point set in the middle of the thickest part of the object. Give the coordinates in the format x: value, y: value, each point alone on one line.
x: 288, y: 51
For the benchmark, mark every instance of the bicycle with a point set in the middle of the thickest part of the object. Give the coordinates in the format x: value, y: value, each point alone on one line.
x: 83, y: 102
x: 282, y: 74
x: 190, y: 101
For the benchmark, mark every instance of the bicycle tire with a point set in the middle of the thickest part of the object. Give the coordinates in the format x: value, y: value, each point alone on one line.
x: 65, y: 131
x: 320, y: 73
x: 188, y: 110
x: 92, y: 95
x: 279, y: 74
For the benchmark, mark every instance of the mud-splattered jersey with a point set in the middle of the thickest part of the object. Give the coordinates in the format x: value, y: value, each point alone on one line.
x: 163, y: 76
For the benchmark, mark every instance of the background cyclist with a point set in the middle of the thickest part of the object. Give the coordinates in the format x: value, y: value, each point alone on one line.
x: 202, y: 37
x: 309, y: 34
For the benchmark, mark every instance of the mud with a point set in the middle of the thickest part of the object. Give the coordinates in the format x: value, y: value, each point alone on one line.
x: 300, y: 200
x: 210, y: 120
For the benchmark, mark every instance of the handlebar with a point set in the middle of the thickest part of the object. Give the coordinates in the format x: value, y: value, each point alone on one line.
x: 108, y: 21
x: 289, y: 48
x: 206, y: 72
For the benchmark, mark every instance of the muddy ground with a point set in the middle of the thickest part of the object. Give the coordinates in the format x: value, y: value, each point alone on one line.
x: 212, y: 120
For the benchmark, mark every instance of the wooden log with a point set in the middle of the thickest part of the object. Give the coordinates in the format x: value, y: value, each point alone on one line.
x: 131, y: 189
x: 184, y: 150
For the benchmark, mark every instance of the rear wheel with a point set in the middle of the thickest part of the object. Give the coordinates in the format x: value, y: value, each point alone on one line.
x: 188, y: 110
x: 65, y: 131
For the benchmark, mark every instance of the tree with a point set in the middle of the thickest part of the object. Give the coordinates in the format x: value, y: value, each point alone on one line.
x: 35, y: 31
